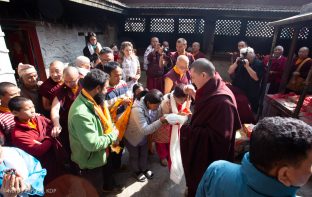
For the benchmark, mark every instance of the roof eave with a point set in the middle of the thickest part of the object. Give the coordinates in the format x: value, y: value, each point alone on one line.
x: 108, y: 5
x: 294, y: 20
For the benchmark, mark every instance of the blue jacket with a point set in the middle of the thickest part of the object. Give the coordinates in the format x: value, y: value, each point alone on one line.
x: 24, y: 163
x: 225, y: 179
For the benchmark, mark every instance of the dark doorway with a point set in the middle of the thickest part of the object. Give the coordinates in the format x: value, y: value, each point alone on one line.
x: 23, y: 45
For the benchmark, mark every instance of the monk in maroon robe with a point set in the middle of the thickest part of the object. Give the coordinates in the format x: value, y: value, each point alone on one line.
x: 177, y: 75
x: 64, y: 98
x: 196, y: 51
x: 51, y: 85
x: 181, y: 46
x: 155, y: 69
x: 32, y: 133
x: 278, y: 63
x: 210, y: 136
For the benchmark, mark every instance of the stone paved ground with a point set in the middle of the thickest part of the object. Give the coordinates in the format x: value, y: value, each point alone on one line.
x: 162, y: 186
x: 159, y: 186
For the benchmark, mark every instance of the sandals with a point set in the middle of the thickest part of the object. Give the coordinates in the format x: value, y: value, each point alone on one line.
x: 148, y: 174
x: 140, y: 176
x: 143, y: 176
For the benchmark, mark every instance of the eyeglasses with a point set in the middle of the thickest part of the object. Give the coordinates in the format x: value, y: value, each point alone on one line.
x: 105, y: 60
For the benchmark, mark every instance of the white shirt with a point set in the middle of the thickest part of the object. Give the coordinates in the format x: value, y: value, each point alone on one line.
x: 147, y: 52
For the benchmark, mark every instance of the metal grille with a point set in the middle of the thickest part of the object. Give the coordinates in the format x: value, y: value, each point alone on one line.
x: 201, y: 26
x: 303, y: 33
x: 162, y: 25
x: 135, y: 25
x: 288, y: 32
x: 259, y: 29
x: 228, y: 27
x: 187, y: 25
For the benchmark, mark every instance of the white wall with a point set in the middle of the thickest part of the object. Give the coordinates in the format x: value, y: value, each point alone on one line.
x: 6, y: 71
x: 61, y: 42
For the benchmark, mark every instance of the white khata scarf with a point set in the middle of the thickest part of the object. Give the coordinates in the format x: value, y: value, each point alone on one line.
x: 176, y: 171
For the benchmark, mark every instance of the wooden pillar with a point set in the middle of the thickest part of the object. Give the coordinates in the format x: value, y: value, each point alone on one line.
x: 208, y: 40
x: 266, y: 77
x: 289, y: 62
x: 307, y: 85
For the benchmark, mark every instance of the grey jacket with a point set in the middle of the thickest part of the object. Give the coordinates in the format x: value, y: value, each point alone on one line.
x: 140, y: 124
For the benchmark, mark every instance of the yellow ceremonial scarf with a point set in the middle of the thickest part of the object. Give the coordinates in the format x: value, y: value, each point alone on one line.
x: 176, y: 69
x: 75, y: 89
x: 122, y: 122
x: 298, y: 61
x: 4, y: 109
x: 102, y: 113
x: 32, y: 124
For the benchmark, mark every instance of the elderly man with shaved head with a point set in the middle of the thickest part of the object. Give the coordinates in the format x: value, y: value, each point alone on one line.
x: 62, y: 101
x: 300, y: 70
x: 51, y: 85
x: 278, y: 62
x: 154, y: 42
x: 83, y: 65
x: 210, y: 136
x: 178, y: 74
x: 181, y: 46
x: 196, y: 51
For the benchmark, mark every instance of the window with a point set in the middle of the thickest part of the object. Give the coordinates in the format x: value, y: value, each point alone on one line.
x: 228, y: 27
x: 187, y: 26
x: 135, y: 25
x: 288, y: 33
x: 259, y: 29
x: 162, y: 25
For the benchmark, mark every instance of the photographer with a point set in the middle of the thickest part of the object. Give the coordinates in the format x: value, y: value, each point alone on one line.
x: 92, y: 49
x: 246, y: 74
x: 155, y: 69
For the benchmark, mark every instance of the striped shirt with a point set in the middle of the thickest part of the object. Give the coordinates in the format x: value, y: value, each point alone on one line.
x: 114, y: 93
x: 7, y: 124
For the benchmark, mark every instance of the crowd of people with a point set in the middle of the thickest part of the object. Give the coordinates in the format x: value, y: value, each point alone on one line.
x: 81, y: 119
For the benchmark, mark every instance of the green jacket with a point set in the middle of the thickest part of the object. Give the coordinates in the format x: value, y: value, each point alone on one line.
x: 87, y: 141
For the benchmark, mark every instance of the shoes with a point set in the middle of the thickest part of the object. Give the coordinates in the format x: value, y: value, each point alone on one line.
x: 164, y: 162
x: 148, y: 174
x: 140, y: 176
x: 113, y: 189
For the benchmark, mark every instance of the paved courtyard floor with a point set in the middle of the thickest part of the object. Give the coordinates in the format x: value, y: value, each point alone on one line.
x: 162, y: 186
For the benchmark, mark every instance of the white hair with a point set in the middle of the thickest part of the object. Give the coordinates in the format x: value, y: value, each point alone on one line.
x: 279, y: 46
x: 183, y: 58
x: 81, y: 60
x: 247, y: 50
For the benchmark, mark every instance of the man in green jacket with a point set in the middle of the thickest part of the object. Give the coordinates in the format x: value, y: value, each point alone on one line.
x: 91, y: 131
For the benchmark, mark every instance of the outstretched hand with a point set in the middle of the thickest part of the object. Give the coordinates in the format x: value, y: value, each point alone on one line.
x: 12, y: 184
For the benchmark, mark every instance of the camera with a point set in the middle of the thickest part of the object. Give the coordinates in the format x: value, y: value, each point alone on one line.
x: 241, y: 61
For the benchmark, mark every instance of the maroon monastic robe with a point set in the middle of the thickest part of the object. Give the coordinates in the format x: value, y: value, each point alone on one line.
x: 66, y: 98
x: 199, y: 55
x: 154, y: 72
x: 210, y: 136
x: 49, y: 152
x: 49, y: 88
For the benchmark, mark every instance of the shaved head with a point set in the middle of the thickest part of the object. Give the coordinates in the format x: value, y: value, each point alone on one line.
x: 71, y: 71
x: 183, y: 58
x: 71, y: 76
x: 203, y: 65
x: 56, y: 70
x: 57, y: 63
x: 303, y: 52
